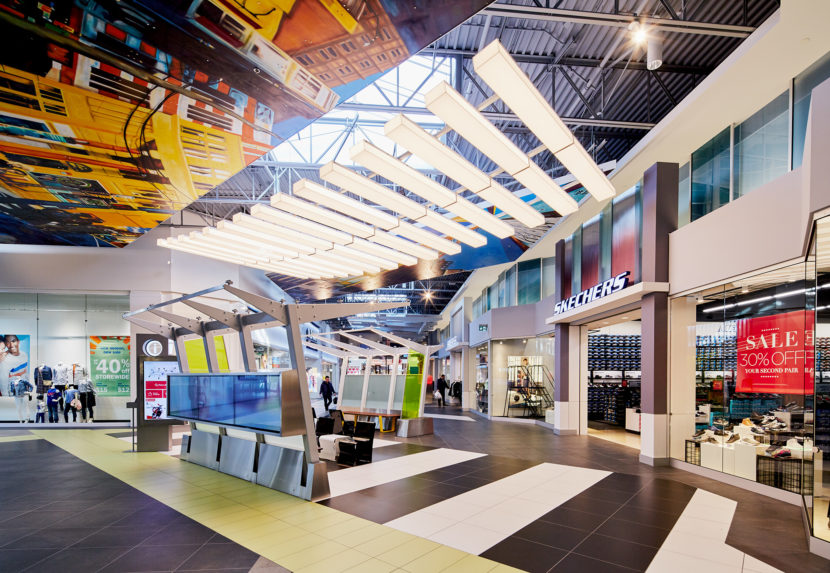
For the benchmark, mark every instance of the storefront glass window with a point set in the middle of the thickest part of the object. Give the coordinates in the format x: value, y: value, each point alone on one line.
x: 530, y: 281
x: 710, y: 175
x: 59, y: 340
x: 606, y: 236
x: 761, y: 146
x: 745, y: 405
x: 510, y: 291
x: 493, y: 296
x: 802, y: 90
x: 502, y: 290
x: 684, y: 195
x: 818, y: 504
x: 548, y: 276
x: 576, y: 276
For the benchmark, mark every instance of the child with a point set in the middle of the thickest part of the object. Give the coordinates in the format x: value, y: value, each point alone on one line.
x: 40, y: 416
x: 53, y: 397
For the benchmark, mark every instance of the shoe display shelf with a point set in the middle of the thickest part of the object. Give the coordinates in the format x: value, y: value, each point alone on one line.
x: 692, y: 452
x: 790, y: 474
x: 740, y: 408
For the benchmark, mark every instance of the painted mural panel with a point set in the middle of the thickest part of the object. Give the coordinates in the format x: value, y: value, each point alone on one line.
x: 117, y: 113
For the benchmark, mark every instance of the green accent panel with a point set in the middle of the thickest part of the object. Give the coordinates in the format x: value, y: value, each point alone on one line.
x: 412, y: 393
x: 197, y: 359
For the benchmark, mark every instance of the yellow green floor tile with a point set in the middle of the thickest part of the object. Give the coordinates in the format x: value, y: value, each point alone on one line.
x: 388, y: 541
x: 337, y: 563
x: 437, y: 560
x: 472, y: 564
x: 19, y: 438
x: 372, y: 566
x: 313, y: 554
x: 409, y: 551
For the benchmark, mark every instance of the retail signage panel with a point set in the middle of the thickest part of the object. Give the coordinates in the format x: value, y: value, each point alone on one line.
x: 109, y: 365
x: 155, y: 388
x: 776, y: 354
x: 14, y: 362
x: 483, y: 327
x: 596, y: 292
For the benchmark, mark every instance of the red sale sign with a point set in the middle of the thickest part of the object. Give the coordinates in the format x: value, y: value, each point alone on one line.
x: 776, y: 353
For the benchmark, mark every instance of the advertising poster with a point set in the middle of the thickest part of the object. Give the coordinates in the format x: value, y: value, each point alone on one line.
x: 109, y: 365
x: 155, y: 388
x: 776, y: 354
x: 14, y: 360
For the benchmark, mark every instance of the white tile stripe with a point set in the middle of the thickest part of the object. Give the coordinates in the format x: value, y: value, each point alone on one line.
x: 479, y: 519
x: 357, y: 478
x: 450, y: 417
x: 697, y: 542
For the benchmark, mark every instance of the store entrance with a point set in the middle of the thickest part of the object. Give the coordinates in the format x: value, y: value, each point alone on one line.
x: 614, y: 375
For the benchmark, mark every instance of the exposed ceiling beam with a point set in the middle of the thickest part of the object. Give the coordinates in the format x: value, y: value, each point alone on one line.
x: 573, y: 62
x: 499, y: 116
x: 616, y: 20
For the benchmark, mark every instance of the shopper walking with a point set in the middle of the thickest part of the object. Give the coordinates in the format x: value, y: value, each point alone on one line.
x: 327, y: 391
x: 441, y: 386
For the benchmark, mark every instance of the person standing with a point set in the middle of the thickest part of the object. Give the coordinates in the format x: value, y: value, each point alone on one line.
x: 326, y: 391
x: 441, y: 386
x: 87, y: 391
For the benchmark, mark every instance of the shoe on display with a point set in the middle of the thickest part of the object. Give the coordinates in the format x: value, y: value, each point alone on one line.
x: 757, y: 431
x: 782, y: 453
x: 699, y: 433
x: 733, y: 438
x: 711, y: 440
x: 747, y: 422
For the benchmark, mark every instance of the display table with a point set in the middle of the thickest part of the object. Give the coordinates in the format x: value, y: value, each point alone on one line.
x: 393, y: 415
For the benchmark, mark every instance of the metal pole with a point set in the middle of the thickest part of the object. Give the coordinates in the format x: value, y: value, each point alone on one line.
x: 295, y: 351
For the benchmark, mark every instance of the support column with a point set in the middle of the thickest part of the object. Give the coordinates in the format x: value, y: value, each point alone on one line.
x: 396, y: 358
x: 683, y: 329
x: 566, y: 398
x: 660, y: 183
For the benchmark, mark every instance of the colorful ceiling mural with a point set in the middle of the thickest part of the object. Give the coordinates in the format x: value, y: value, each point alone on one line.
x: 116, y: 114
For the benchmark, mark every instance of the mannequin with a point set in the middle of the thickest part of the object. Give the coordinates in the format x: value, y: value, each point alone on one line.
x: 43, y: 378
x: 61, y: 378
x: 87, y: 391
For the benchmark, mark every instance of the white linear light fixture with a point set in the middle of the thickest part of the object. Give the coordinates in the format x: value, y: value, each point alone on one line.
x: 370, y: 190
x: 348, y: 251
x: 347, y: 265
x: 300, y: 224
x: 425, y: 237
x: 364, y: 187
x: 466, y: 120
x: 496, y: 66
x: 188, y: 245
x: 371, y: 248
x: 320, y: 215
x: 280, y: 233
x: 396, y: 170
x: 405, y: 245
x: 246, y: 233
x: 222, y: 237
x: 311, y: 191
x: 198, y: 239
x: 413, y: 137
x: 348, y: 206
x: 392, y: 200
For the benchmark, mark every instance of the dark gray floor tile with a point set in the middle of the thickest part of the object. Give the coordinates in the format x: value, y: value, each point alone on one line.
x: 77, y: 560
x: 636, y: 532
x: 575, y: 563
x: 525, y: 555
x: 191, y: 533
x: 20, y: 559
x: 574, y: 518
x: 552, y: 534
x: 151, y: 558
x: 617, y: 551
x: 213, y: 556
x: 111, y: 536
x: 53, y: 537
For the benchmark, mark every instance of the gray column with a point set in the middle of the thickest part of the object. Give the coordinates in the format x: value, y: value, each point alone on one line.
x: 660, y: 188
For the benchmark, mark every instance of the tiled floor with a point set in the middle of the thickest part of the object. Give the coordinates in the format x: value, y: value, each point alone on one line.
x: 514, y: 493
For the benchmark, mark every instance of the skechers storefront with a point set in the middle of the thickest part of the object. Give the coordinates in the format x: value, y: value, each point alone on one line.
x: 695, y: 309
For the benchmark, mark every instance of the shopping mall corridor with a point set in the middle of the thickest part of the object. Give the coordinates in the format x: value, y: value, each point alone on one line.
x: 475, y: 496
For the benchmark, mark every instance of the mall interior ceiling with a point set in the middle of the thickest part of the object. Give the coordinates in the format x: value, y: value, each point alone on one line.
x: 581, y: 55
x: 577, y: 53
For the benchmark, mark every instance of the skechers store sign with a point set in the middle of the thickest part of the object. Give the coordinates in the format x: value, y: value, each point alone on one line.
x: 596, y: 292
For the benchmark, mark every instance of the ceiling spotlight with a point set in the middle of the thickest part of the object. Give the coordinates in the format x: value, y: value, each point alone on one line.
x: 428, y: 294
x: 638, y: 33
x: 654, y: 57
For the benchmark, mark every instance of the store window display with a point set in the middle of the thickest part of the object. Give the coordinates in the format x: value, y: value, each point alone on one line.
x: 753, y: 380
x: 57, y: 341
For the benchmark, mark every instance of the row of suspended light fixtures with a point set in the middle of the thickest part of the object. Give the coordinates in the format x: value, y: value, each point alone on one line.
x: 320, y: 232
